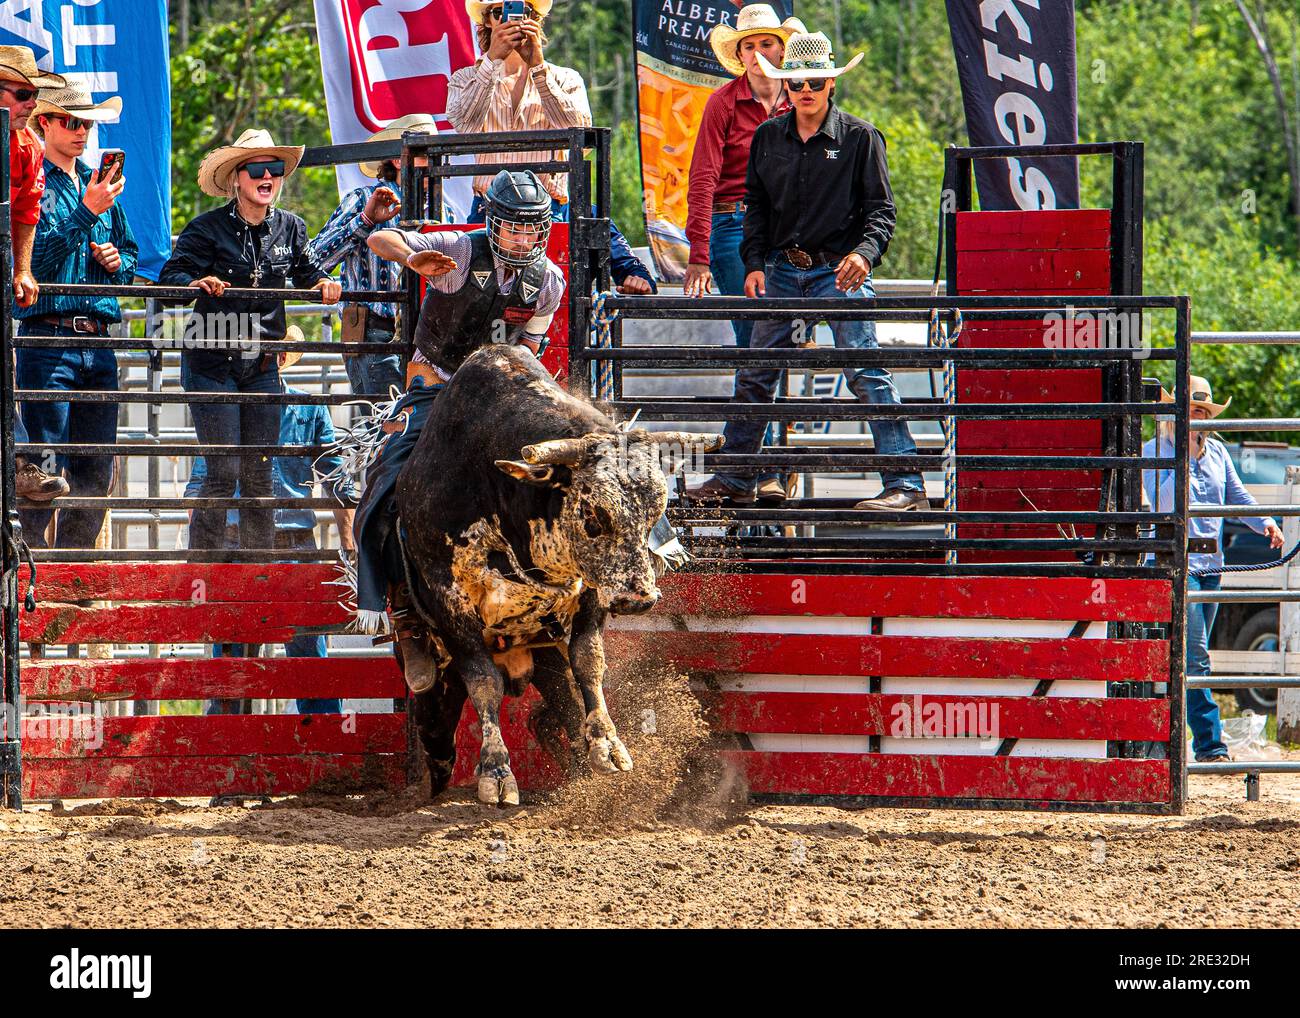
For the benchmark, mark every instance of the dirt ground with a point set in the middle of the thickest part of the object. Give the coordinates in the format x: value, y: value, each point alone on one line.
x: 401, y: 862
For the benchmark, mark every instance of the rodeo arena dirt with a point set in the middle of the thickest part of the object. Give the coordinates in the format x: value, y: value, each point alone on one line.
x: 970, y: 715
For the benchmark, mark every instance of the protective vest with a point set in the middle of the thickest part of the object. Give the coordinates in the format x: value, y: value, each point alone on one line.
x: 453, y: 325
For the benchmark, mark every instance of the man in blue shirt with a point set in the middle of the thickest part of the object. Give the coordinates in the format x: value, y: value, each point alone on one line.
x: 295, y: 528
x: 1213, y: 481
x: 82, y: 237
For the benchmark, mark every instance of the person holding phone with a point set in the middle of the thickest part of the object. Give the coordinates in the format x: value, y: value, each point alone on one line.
x: 247, y: 242
x: 82, y: 237
x: 513, y: 87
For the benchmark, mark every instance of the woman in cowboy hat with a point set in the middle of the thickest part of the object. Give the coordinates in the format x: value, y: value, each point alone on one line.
x: 247, y: 242
x: 1213, y: 481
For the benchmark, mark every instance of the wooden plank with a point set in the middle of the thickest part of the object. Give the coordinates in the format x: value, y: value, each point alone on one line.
x: 1031, y: 779
x: 197, y: 583
x: 1056, y: 385
x: 212, y: 678
x: 964, y: 657
x: 1045, y: 230
x: 69, y: 738
x: 1029, y: 436
x: 1052, y: 271
x: 723, y: 595
x: 262, y: 774
x: 1010, y: 480
x: 1012, y: 499
x: 181, y: 623
x: 906, y: 715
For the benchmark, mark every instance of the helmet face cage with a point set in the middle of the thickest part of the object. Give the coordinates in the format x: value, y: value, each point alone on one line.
x: 514, y: 254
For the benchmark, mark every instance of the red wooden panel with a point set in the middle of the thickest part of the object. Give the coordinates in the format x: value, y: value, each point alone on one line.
x: 184, y: 581
x: 929, y: 656
x: 1029, y: 436
x: 1055, y: 271
x: 67, y: 738
x: 1027, y: 333
x: 156, y: 777
x: 214, y: 678
x: 995, y: 717
x: 1011, y: 499
x: 1056, y: 385
x: 974, y: 597
x: 1010, y: 480
x: 186, y: 623
x: 1048, y: 230
x: 1033, y: 779
x: 999, y: 531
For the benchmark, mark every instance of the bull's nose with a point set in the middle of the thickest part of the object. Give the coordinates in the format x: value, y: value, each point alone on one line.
x: 634, y: 604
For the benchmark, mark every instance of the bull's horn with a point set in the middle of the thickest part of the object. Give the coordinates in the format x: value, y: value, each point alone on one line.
x: 562, y: 451
x: 710, y: 440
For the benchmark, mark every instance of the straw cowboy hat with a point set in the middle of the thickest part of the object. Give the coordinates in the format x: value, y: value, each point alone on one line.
x: 288, y: 358
x: 807, y: 56
x: 1202, y: 396
x: 18, y: 63
x: 421, y: 123
x: 475, y: 8
x: 75, y: 101
x: 753, y: 19
x: 219, y: 165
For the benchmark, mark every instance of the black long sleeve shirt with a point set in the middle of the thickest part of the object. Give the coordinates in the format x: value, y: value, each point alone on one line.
x: 829, y: 195
x: 220, y: 243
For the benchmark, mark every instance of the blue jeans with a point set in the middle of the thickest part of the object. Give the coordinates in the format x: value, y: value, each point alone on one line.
x: 234, y: 424
x: 375, y: 373
x: 295, y: 539
x: 871, y: 385
x: 1202, y: 711
x: 79, y: 422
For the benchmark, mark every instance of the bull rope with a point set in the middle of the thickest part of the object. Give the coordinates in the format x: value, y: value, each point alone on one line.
x: 604, y: 341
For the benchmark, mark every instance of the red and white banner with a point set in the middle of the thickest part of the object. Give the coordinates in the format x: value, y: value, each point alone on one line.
x: 384, y: 59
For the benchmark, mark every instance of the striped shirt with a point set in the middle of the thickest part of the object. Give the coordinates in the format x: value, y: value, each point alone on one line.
x: 342, y: 242
x: 479, y: 101
x: 458, y: 247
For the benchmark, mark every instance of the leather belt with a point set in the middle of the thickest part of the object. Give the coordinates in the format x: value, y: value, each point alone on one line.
x: 802, y: 259
x: 84, y: 324
x: 729, y: 206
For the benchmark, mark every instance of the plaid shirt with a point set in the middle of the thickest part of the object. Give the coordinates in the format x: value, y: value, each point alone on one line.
x: 343, y: 242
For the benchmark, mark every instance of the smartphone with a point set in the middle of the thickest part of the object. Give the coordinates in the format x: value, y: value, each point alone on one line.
x: 512, y: 10
x: 112, y: 162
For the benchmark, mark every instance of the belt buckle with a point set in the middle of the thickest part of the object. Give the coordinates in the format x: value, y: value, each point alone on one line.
x: 83, y: 324
x: 799, y: 258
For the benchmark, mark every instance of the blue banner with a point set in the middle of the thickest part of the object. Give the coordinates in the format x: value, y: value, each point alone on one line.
x: 114, y: 47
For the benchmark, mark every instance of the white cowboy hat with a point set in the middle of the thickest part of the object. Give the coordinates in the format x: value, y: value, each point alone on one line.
x: 75, y: 101
x: 18, y: 63
x: 219, y: 165
x: 1202, y: 396
x: 419, y: 122
x: 807, y: 56
x: 475, y: 8
x: 753, y: 19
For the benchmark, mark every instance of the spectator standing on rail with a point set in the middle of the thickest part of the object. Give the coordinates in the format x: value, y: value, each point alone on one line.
x: 83, y: 237
x: 342, y: 242
x: 819, y: 215
x: 20, y: 79
x: 295, y: 528
x: 513, y: 87
x: 1214, y: 481
x: 247, y: 242
x: 716, y: 189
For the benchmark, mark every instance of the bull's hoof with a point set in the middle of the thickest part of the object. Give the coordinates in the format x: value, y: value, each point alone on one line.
x: 609, y: 756
x: 498, y: 791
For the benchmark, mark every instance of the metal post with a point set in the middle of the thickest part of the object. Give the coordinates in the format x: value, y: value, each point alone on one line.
x: 11, y: 760
x: 1178, y: 566
x: 1288, y: 700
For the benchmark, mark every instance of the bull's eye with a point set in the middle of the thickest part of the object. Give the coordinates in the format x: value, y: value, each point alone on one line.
x: 597, y: 522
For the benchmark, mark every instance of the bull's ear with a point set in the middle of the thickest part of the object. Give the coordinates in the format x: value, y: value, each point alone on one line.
x: 529, y: 473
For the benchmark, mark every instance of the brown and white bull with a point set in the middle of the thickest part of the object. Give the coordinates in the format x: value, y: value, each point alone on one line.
x: 525, y: 515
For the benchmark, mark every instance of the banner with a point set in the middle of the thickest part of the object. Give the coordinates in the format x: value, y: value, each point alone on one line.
x: 384, y: 59
x: 1015, y: 61
x: 114, y: 47
x: 676, y: 72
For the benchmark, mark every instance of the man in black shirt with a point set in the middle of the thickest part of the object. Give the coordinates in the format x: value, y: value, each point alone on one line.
x: 819, y: 217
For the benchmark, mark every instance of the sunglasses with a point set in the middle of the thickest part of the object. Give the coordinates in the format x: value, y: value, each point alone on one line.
x: 1201, y: 397
x: 799, y: 84
x: 75, y: 123
x: 271, y: 167
x: 21, y: 94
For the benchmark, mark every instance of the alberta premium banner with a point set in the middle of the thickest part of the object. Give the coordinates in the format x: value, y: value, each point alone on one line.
x: 676, y: 73
x: 1016, y: 64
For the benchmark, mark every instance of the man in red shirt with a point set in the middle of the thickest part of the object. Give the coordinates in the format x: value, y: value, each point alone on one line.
x: 19, y: 80
x: 715, y: 198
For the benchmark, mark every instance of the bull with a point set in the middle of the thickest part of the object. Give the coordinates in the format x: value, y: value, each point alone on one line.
x: 525, y: 514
